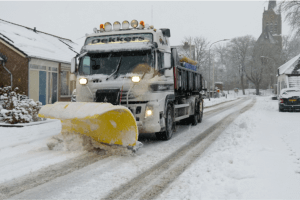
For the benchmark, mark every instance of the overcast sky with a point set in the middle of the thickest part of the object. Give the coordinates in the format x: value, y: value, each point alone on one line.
x: 214, y: 20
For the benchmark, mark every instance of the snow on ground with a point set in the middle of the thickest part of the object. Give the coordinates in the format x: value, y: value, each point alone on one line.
x: 23, y: 150
x: 98, y: 179
x: 256, y: 157
x: 215, y: 101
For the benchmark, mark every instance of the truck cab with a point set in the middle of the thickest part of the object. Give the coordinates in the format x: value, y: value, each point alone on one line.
x: 136, y: 67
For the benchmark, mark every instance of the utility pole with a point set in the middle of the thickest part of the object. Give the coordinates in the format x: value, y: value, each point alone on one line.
x: 210, y: 64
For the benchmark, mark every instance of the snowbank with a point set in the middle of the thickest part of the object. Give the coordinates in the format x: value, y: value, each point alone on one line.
x: 256, y: 157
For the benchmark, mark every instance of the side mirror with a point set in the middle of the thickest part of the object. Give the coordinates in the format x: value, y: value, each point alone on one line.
x: 73, y: 65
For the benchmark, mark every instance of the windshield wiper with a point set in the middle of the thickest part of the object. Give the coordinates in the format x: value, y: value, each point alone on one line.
x: 118, y: 67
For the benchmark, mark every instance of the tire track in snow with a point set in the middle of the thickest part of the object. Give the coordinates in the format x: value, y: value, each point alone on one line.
x: 225, y: 107
x: 26, y: 182
x: 16, y: 186
x: 151, y: 183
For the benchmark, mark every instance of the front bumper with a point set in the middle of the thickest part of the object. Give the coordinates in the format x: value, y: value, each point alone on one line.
x: 289, y: 107
x: 146, y: 125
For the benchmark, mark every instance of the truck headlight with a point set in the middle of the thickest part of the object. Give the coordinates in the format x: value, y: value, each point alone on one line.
x: 135, y: 79
x: 149, y: 111
x: 83, y: 81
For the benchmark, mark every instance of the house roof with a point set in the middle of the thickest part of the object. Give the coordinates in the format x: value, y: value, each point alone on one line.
x: 37, y: 44
x: 288, y: 67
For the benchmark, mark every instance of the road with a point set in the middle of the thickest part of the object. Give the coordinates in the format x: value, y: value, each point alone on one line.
x: 81, y: 174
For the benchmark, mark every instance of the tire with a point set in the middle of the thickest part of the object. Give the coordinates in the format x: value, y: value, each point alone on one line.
x: 195, y: 118
x: 280, y: 110
x: 168, y: 133
x: 200, y: 111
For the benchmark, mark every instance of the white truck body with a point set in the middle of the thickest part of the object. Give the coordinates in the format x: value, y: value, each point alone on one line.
x: 156, y: 89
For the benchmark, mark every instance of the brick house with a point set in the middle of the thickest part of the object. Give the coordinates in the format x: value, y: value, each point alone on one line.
x: 38, y: 62
x: 289, y: 74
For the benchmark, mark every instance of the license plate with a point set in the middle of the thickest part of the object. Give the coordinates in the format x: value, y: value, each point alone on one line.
x: 292, y: 99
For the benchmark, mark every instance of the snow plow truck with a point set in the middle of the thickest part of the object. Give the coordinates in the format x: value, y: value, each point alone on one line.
x: 130, y: 81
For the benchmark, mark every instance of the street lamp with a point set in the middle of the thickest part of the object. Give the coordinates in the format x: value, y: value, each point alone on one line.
x: 210, y: 64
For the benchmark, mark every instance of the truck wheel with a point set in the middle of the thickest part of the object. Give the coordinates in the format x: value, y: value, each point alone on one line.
x: 200, y: 111
x: 166, y: 135
x: 195, y: 118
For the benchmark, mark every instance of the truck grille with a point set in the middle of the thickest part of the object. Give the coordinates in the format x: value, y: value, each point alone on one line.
x: 108, y: 96
x: 124, y: 95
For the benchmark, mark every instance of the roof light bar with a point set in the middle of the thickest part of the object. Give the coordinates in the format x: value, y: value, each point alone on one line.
x: 134, y: 23
x: 117, y: 26
x: 142, y: 25
x: 107, y: 26
x: 125, y: 24
x: 101, y: 27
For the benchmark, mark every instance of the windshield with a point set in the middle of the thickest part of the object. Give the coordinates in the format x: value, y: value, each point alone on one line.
x: 290, y: 91
x: 107, y: 63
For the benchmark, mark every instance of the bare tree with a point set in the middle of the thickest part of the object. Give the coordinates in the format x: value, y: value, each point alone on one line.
x: 292, y: 11
x: 199, y: 49
x: 240, y: 48
x: 290, y: 47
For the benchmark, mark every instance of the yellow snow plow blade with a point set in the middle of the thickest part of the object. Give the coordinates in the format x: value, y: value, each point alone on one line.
x: 103, y: 122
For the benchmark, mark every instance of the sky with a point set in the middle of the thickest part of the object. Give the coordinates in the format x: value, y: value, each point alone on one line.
x: 214, y: 20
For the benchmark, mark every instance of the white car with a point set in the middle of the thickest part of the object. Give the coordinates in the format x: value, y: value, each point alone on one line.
x: 289, y: 99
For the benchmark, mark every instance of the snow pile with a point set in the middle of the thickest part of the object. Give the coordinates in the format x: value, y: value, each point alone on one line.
x: 78, y: 142
x: 256, y: 157
x: 17, y: 108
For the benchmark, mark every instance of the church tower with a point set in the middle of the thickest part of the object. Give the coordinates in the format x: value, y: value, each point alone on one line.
x: 271, y: 22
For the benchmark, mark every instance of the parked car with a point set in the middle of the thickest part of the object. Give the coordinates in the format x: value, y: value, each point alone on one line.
x: 289, y: 99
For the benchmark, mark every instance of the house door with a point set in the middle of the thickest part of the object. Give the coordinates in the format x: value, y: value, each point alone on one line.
x: 42, y: 87
x: 52, y: 87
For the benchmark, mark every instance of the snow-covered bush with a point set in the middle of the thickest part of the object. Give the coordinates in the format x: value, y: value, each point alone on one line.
x: 17, y: 108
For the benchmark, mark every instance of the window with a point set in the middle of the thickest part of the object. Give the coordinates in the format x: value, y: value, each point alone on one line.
x: 123, y: 62
x: 37, y: 67
x: 160, y: 60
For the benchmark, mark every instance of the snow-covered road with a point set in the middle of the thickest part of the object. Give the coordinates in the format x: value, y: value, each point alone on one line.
x: 256, y: 157
x: 30, y: 171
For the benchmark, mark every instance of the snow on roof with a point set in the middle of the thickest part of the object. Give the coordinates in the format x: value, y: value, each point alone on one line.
x: 289, y: 66
x: 37, y: 44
